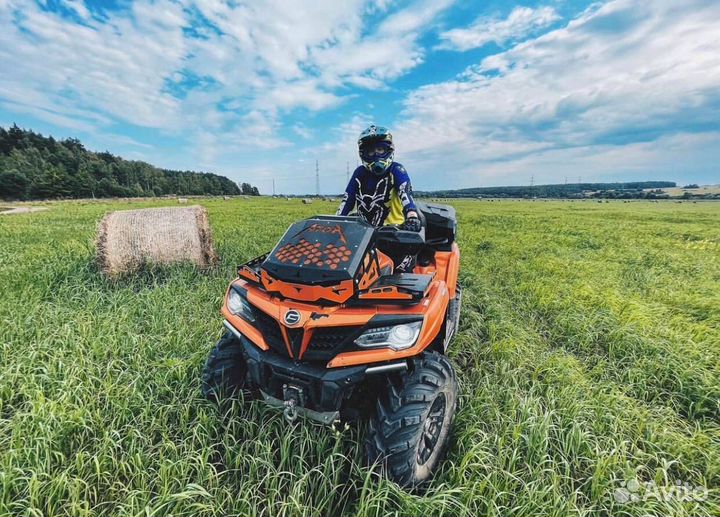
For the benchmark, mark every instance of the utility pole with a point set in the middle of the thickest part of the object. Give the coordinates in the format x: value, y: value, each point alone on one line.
x: 317, y: 178
x: 565, y: 180
x: 273, y: 187
x: 532, y: 181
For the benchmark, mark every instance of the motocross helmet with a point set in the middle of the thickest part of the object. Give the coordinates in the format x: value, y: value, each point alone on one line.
x: 376, y: 149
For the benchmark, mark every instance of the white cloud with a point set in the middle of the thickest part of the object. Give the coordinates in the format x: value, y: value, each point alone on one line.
x: 295, y: 94
x: 679, y: 157
x: 413, y: 18
x: 302, y: 131
x: 114, y: 69
x: 521, y: 22
x: 382, y: 55
x: 79, y: 7
x: 624, y: 73
x: 49, y: 115
x: 224, y: 76
x: 201, y: 67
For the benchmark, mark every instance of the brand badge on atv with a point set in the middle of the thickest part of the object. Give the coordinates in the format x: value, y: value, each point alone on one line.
x: 292, y: 317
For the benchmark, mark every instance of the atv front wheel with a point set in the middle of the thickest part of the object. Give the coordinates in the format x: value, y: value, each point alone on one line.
x: 225, y: 372
x: 409, y: 433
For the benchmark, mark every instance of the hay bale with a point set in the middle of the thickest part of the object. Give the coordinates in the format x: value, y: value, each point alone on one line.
x: 130, y: 239
x: 182, y: 200
x: 307, y: 201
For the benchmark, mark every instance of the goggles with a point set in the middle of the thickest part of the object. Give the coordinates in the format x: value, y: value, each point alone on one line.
x: 376, y: 150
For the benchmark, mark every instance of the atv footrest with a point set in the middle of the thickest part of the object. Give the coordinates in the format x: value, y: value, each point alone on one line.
x: 397, y: 288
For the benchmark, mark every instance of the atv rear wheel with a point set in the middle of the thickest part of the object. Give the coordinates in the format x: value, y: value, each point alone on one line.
x: 409, y: 433
x: 225, y: 372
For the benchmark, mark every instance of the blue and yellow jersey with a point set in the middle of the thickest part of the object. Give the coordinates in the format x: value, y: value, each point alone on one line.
x: 379, y: 199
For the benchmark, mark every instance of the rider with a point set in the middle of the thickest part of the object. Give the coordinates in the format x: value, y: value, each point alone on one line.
x: 381, y: 189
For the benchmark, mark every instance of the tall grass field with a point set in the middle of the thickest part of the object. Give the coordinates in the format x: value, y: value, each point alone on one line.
x: 588, y: 359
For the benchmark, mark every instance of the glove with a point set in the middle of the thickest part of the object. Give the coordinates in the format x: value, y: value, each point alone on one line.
x: 411, y: 224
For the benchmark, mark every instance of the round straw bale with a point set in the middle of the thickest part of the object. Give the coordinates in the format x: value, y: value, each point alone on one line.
x: 129, y: 239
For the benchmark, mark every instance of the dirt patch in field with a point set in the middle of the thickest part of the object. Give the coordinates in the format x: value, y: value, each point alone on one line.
x: 21, y: 210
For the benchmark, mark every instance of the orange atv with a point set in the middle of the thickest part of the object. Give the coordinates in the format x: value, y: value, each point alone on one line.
x: 322, y: 327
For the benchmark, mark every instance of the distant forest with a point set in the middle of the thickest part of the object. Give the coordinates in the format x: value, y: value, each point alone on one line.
x: 630, y: 190
x: 33, y: 166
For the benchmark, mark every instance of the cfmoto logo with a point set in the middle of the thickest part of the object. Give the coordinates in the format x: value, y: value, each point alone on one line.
x: 292, y: 317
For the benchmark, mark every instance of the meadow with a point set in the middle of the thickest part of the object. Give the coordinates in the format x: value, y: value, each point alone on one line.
x: 588, y: 357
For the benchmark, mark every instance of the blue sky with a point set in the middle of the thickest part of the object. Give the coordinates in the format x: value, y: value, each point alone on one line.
x: 476, y: 93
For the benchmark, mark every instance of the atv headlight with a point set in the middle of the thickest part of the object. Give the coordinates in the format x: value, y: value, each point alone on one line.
x: 397, y: 337
x: 239, y: 306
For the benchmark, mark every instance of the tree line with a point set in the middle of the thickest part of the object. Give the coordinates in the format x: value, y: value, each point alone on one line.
x: 33, y: 166
x: 634, y: 189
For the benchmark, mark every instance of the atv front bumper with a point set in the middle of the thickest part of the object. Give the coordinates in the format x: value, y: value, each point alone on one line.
x: 323, y: 394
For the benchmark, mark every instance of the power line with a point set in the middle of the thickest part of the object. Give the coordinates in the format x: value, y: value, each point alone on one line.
x: 293, y: 178
x: 278, y: 184
x: 317, y: 178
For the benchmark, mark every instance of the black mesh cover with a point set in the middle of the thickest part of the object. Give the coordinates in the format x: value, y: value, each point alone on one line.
x: 322, y: 250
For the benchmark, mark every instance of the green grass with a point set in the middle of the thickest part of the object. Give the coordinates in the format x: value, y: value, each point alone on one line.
x: 589, y: 354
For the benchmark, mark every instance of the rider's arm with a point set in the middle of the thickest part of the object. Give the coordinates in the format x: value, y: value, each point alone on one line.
x: 404, y: 190
x: 348, y: 200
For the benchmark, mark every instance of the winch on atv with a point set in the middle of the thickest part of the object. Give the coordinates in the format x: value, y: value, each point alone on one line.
x: 323, y: 328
